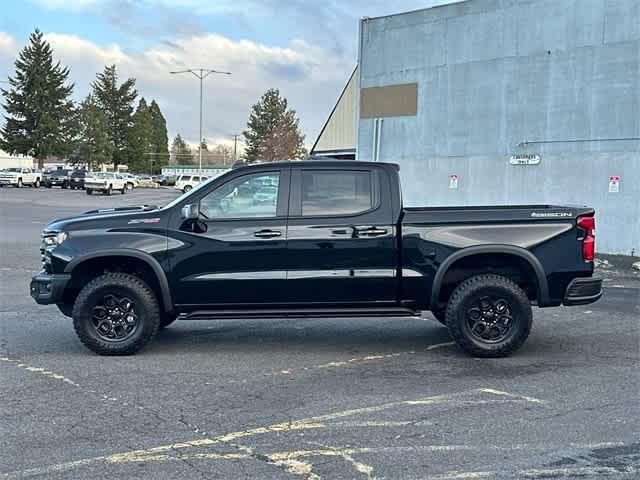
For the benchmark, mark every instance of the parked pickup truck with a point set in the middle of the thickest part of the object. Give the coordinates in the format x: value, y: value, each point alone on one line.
x: 18, y: 177
x: 105, y: 182
x: 315, y: 239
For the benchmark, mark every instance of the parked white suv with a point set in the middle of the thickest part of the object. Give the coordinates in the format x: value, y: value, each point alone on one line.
x: 189, y: 182
x: 19, y: 177
x: 105, y: 182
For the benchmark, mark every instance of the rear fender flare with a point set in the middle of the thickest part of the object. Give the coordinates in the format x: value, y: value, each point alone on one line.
x: 165, y: 291
x: 541, y: 279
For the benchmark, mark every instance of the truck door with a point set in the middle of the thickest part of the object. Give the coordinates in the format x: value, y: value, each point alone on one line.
x: 235, y: 254
x: 341, y: 243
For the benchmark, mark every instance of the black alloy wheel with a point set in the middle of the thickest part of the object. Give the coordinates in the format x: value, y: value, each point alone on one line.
x: 490, y: 319
x: 114, y: 318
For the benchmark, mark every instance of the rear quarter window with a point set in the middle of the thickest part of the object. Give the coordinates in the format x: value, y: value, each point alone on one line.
x: 339, y: 192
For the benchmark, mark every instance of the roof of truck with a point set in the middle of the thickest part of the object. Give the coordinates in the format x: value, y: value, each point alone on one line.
x: 322, y: 163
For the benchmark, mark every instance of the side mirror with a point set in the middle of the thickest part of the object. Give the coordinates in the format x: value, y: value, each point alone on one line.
x: 191, y: 211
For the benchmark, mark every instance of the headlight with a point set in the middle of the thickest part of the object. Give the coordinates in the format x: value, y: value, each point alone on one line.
x: 56, y: 239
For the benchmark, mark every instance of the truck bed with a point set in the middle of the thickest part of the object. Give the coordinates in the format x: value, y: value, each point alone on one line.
x: 493, y: 213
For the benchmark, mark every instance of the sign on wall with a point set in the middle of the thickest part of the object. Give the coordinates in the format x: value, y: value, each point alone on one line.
x: 453, y: 181
x: 525, y: 159
x: 614, y: 183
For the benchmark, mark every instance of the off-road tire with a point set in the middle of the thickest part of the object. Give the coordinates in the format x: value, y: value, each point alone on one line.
x: 108, y: 190
x: 37, y: 183
x: 123, y: 190
x: 167, y: 319
x: 475, y: 288
x: 145, y: 302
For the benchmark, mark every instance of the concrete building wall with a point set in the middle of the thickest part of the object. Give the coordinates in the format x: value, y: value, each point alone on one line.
x: 496, y: 78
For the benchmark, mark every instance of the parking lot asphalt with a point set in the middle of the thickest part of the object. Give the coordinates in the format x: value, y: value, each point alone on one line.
x: 313, y: 398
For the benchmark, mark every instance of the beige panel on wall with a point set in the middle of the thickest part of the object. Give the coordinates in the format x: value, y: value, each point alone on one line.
x: 389, y: 101
x: 340, y: 130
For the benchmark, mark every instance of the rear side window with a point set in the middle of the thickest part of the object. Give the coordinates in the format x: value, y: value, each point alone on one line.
x: 339, y: 192
x: 196, y: 179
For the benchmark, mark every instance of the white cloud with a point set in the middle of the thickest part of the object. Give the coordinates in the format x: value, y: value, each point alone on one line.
x: 309, y: 76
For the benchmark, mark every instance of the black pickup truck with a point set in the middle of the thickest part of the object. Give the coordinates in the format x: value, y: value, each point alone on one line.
x: 315, y: 239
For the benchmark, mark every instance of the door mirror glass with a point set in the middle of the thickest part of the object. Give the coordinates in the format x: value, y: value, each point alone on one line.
x: 190, y: 212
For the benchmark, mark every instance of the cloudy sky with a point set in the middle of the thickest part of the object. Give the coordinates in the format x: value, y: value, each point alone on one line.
x: 306, y: 48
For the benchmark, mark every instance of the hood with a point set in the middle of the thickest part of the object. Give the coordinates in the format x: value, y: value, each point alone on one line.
x: 108, y: 218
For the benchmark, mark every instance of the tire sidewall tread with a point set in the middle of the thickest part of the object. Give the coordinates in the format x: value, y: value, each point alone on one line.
x: 455, y: 315
x: 144, y: 297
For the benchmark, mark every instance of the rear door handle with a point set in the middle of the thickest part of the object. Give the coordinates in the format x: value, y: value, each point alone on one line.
x: 371, y: 231
x: 267, y: 234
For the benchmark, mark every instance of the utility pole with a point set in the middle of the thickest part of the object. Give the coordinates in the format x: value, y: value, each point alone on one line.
x: 201, y: 74
x: 235, y: 147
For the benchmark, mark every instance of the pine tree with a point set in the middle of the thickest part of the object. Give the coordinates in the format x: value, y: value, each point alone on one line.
x: 94, y: 147
x: 39, y: 111
x: 140, y: 142
x: 159, y: 136
x: 117, y: 103
x: 273, y: 131
x: 180, y: 151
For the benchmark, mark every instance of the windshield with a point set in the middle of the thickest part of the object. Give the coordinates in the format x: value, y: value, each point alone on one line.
x: 13, y: 170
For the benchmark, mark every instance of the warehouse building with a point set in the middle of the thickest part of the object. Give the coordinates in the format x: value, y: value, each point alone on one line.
x: 508, y: 101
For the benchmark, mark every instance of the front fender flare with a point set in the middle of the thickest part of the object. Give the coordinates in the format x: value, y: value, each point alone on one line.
x: 167, y: 300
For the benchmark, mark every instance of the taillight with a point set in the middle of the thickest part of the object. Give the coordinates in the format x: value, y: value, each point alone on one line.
x: 588, y: 224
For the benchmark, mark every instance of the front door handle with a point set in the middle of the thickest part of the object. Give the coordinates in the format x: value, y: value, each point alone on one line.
x: 371, y: 231
x: 267, y: 234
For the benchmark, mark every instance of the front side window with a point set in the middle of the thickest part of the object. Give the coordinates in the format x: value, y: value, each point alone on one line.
x: 335, y: 192
x: 249, y: 196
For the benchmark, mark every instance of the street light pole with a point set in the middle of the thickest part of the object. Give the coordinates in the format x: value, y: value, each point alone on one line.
x: 201, y: 74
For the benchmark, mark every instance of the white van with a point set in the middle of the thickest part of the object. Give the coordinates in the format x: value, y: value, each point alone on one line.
x: 188, y: 182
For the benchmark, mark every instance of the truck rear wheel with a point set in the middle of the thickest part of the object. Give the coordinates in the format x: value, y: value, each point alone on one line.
x: 489, y: 316
x: 116, y: 314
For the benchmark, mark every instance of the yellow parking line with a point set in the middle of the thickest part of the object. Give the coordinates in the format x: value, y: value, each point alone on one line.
x: 291, y: 460
x: 38, y: 370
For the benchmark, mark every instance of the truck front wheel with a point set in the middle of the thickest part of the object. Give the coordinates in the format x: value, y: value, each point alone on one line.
x: 489, y: 316
x: 116, y: 314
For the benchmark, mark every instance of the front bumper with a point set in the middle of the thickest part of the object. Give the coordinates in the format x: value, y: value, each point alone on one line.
x: 582, y: 291
x: 46, y: 289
